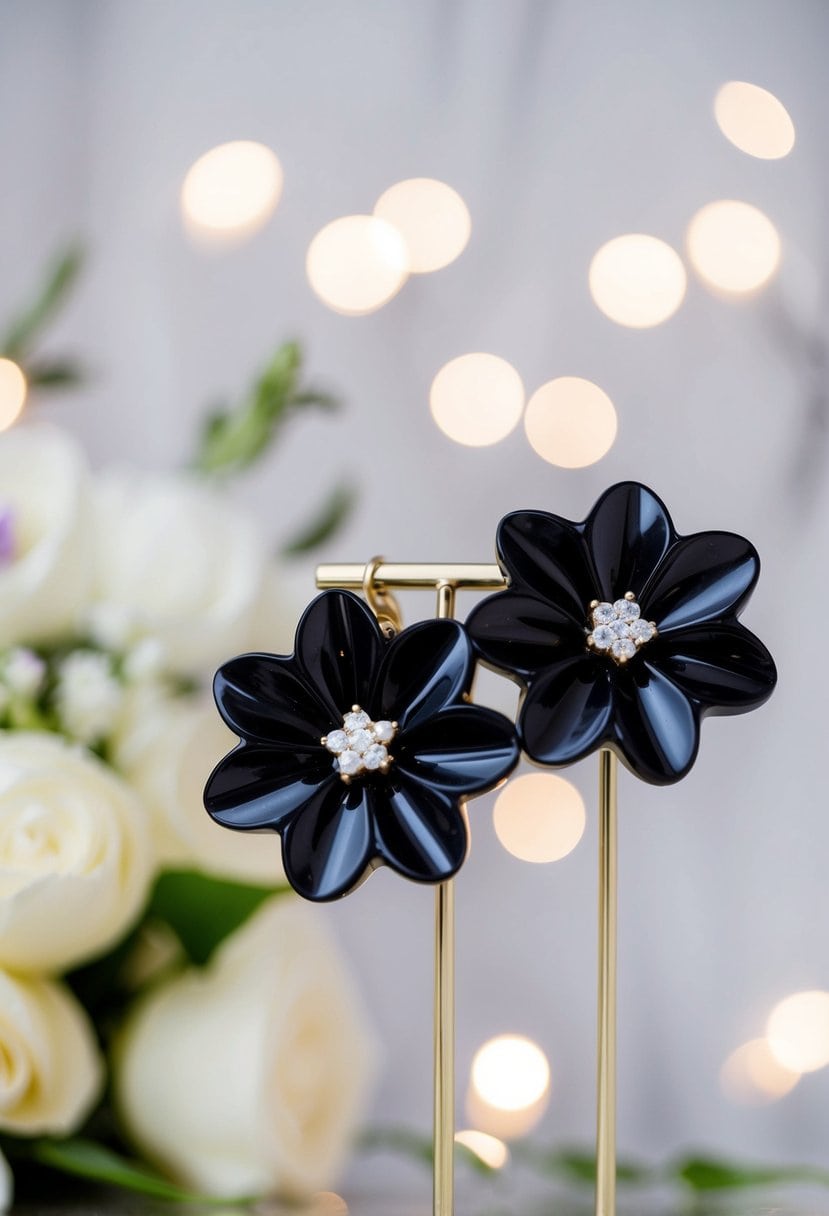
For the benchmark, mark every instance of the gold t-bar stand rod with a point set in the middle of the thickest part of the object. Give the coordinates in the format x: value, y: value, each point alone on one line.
x: 606, y: 1086
x: 446, y: 579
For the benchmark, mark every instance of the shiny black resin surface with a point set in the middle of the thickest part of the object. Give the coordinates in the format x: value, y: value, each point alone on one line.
x: 702, y: 661
x: 410, y: 818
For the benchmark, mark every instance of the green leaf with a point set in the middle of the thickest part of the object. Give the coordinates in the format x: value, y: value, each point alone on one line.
x: 202, y: 910
x: 329, y: 518
x: 60, y: 280
x: 54, y: 373
x: 233, y: 439
x: 88, y: 1159
x: 716, y: 1174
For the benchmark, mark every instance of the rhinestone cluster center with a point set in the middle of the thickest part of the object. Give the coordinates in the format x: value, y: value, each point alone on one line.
x: 618, y: 629
x: 361, y: 745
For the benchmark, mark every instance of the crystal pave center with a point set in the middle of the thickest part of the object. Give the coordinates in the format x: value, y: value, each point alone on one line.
x: 361, y: 745
x: 618, y: 629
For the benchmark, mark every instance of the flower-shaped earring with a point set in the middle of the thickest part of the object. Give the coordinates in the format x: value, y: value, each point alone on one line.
x: 623, y: 633
x: 360, y: 749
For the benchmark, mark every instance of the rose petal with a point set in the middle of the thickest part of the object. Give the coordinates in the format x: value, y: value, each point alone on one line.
x: 339, y: 646
x: 463, y: 750
x: 656, y: 727
x: 547, y: 556
x: 426, y: 668
x: 257, y: 786
x: 704, y: 577
x: 724, y: 668
x: 567, y: 711
x: 263, y: 697
x: 420, y: 832
x: 521, y: 633
x: 629, y: 531
x: 327, y: 850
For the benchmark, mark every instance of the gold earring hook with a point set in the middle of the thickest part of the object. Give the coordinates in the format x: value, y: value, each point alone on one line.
x: 381, y: 602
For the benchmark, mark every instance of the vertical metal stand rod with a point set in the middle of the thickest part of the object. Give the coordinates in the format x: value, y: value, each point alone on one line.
x: 443, y: 1198
x: 606, y: 1087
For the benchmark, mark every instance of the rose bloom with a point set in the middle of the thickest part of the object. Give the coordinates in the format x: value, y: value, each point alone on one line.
x: 175, y: 560
x: 75, y: 854
x: 250, y: 1076
x: 164, y: 747
x: 52, y: 1072
x: 45, y: 534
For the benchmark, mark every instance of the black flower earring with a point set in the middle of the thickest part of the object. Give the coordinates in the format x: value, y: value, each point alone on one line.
x: 623, y: 633
x: 360, y: 749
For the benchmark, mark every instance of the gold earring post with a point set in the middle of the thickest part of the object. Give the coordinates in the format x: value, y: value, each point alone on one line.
x: 606, y: 1081
x: 377, y: 580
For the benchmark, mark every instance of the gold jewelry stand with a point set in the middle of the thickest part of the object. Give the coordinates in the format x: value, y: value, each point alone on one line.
x: 378, y: 580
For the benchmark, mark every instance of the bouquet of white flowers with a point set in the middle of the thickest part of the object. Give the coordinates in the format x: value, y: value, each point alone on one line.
x: 171, y: 1019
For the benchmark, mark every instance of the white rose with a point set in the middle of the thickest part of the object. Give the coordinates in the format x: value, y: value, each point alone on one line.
x: 251, y: 1076
x: 75, y: 855
x: 52, y: 1072
x: 166, y: 751
x: 178, y: 562
x: 45, y: 517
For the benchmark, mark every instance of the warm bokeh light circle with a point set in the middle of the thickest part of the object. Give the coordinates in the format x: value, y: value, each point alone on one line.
x: 232, y: 189
x: 798, y: 1031
x: 733, y: 246
x: 357, y: 263
x: 477, y: 399
x: 752, y: 1076
x: 570, y: 422
x: 492, y: 1151
x: 13, y: 390
x: 432, y: 218
x: 510, y: 1072
x: 637, y: 280
x: 539, y: 817
x: 754, y: 120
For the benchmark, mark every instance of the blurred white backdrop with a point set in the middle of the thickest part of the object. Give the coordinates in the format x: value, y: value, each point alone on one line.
x: 561, y: 125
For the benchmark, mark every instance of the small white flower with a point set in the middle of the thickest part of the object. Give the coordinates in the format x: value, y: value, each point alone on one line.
x: 145, y: 661
x: 88, y: 696
x: 23, y: 671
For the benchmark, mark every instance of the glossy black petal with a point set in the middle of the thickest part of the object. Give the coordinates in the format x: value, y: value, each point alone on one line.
x: 704, y: 577
x: 327, y: 851
x: 263, y: 697
x: 521, y: 633
x: 426, y: 668
x: 462, y: 750
x: 724, y: 668
x: 656, y: 727
x: 420, y: 831
x: 628, y: 532
x: 257, y: 786
x: 567, y: 711
x: 339, y: 646
x: 547, y: 556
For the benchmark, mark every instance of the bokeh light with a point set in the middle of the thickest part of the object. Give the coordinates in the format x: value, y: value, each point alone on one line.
x: 733, y: 246
x: 752, y: 1076
x: 570, y: 422
x: 328, y: 1203
x: 357, y: 263
x: 232, y: 189
x: 492, y: 1151
x: 754, y: 120
x: 637, y: 280
x: 477, y: 399
x: 12, y: 393
x: 509, y: 1086
x: 432, y: 218
x: 798, y: 1031
x: 539, y: 817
